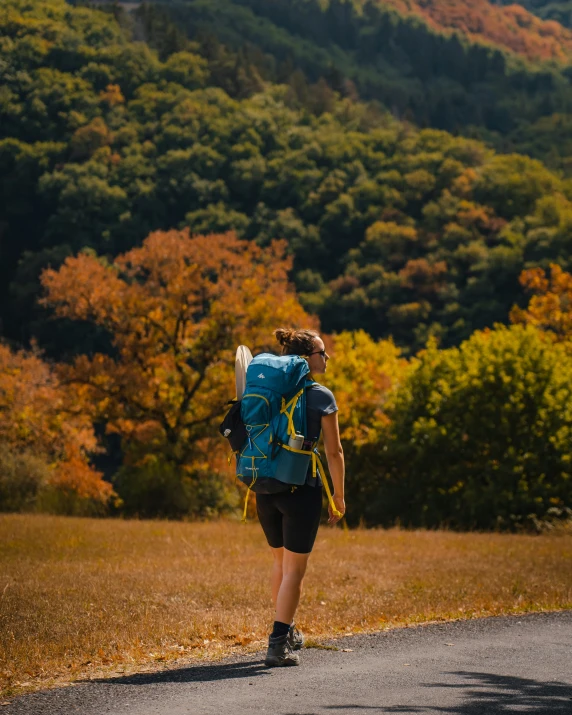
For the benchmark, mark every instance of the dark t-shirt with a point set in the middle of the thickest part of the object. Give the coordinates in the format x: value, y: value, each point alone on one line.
x: 319, y: 401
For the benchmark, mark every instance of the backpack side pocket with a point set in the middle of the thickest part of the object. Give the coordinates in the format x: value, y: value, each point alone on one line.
x: 233, y: 428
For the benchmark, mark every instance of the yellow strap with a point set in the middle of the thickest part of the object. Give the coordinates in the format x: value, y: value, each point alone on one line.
x: 290, y: 414
x: 316, y: 458
x: 291, y: 429
x: 245, y: 505
x: 317, y: 464
x: 298, y: 451
x: 249, y: 489
x: 293, y: 400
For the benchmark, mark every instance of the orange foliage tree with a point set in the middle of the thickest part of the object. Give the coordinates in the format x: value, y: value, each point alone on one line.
x: 40, y: 415
x: 512, y: 27
x: 550, y: 308
x: 176, y: 309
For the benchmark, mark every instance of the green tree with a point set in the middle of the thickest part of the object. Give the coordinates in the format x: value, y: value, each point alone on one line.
x: 479, y: 437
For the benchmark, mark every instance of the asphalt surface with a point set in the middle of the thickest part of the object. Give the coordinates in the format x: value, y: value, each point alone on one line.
x: 483, y: 667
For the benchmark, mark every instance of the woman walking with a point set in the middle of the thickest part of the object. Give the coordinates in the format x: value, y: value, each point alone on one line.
x: 290, y: 519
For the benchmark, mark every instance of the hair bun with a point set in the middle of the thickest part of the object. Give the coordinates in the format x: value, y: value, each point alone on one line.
x: 296, y: 341
x: 284, y: 335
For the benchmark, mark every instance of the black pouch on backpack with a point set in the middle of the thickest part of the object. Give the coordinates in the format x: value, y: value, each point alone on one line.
x: 266, y: 485
x: 232, y: 427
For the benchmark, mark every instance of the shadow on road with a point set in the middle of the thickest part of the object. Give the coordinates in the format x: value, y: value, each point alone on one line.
x: 195, y: 674
x: 479, y: 693
x: 485, y: 694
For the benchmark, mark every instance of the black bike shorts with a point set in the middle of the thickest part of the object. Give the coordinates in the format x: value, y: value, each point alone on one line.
x: 291, y: 519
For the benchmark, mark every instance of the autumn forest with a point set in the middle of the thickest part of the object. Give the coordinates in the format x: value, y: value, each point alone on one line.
x: 183, y: 176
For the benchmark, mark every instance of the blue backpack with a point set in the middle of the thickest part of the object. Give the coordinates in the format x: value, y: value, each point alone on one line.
x: 269, y: 437
x: 275, y: 454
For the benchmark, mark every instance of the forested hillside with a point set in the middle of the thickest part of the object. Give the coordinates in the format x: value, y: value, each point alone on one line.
x: 433, y: 77
x: 394, y: 230
x: 512, y: 28
x: 147, y: 165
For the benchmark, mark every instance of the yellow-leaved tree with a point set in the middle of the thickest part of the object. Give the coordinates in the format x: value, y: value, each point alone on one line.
x: 364, y: 375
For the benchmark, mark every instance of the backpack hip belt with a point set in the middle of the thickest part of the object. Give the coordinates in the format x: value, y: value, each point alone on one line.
x: 317, y: 466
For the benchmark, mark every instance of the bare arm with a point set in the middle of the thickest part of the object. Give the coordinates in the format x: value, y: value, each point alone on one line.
x: 335, y: 458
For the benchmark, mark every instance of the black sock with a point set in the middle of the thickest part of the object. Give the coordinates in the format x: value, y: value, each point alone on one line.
x: 280, y: 629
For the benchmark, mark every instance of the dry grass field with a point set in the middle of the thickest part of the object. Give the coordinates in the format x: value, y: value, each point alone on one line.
x: 83, y: 598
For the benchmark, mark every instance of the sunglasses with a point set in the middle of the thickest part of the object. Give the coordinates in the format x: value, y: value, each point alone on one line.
x: 323, y: 353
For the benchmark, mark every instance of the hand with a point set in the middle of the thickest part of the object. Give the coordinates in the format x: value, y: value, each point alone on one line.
x: 340, y: 505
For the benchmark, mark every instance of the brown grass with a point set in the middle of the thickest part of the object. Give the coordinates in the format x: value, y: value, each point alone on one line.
x: 83, y: 597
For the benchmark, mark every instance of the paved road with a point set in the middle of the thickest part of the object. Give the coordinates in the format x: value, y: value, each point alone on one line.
x: 483, y: 667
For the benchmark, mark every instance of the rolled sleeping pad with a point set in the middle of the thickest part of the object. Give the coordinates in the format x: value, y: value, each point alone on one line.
x: 243, y: 360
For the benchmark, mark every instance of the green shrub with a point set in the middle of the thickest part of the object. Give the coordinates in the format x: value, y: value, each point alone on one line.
x: 480, y: 438
x: 22, y: 476
x: 160, y: 488
x: 65, y: 502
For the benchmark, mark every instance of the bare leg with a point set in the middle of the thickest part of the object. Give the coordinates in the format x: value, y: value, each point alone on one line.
x: 293, y: 570
x: 276, y: 579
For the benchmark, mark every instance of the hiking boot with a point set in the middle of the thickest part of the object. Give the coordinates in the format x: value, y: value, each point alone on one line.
x: 295, y: 638
x: 280, y: 652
